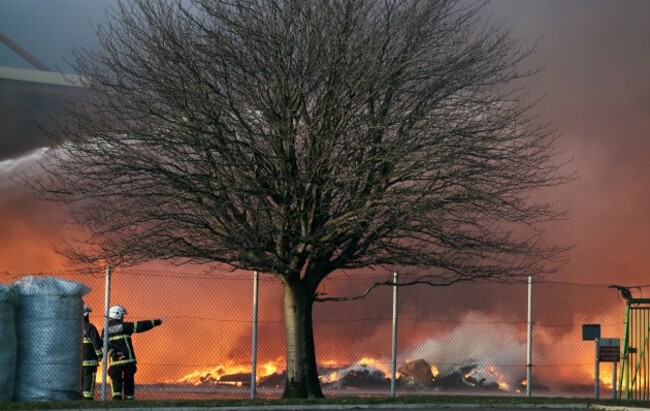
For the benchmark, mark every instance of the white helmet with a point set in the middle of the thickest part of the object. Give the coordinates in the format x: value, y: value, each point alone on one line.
x: 116, y: 312
x: 87, y: 309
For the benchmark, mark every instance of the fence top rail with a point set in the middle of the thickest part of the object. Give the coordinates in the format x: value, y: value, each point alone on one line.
x: 638, y: 301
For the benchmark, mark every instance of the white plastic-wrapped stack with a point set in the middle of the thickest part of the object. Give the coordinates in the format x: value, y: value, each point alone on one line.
x: 7, y: 342
x: 49, y: 333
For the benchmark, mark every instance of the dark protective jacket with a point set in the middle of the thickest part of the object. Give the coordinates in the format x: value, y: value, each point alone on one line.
x: 120, y: 346
x: 92, y: 345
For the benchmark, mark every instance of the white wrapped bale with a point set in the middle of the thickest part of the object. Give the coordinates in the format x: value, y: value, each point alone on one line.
x: 49, y: 335
x: 7, y: 342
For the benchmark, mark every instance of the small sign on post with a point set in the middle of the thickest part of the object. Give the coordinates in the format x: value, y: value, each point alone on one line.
x: 609, y: 350
x: 591, y: 332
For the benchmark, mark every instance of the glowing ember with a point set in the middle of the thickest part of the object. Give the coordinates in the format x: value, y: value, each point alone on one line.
x: 267, y: 369
x: 488, y: 375
x: 331, y: 377
x: 435, y: 371
x: 371, y: 362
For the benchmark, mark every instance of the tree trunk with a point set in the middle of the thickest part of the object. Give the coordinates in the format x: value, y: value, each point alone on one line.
x: 302, y: 373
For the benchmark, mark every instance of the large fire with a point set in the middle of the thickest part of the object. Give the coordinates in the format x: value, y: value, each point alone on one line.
x: 372, y: 372
x: 364, y: 372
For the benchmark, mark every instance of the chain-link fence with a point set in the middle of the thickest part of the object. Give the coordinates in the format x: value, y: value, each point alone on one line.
x: 466, y: 338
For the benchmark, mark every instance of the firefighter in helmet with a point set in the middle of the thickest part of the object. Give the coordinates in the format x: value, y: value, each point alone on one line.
x: 121, y: 357
x: 92, y: 354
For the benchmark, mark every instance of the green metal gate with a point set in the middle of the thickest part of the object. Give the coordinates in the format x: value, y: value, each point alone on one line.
x: 634, y: 380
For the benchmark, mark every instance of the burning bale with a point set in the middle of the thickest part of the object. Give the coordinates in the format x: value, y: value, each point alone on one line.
x: 362, y: 377
x: 536, y: 387
x: 222, y: 374
x: 239, y: 379
x: 208, y: 379
x: 416, y: 374
x: 471, y: 376
x: 275, y: 380
x: 455, y: 379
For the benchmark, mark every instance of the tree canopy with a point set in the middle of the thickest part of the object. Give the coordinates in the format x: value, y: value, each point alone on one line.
x: 300, y: 137
x: 280, y: 135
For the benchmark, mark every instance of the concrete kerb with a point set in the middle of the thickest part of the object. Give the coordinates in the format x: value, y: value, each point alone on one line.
x: 617, y: 408
x: 342, y: 407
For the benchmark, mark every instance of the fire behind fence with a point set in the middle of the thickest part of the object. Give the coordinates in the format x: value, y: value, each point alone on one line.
x: 466, y: 338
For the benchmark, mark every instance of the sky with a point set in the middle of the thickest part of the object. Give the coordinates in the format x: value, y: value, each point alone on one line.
x: 594, y: 88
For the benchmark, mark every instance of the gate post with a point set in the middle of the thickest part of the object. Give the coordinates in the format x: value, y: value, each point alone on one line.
x: 635, y: 369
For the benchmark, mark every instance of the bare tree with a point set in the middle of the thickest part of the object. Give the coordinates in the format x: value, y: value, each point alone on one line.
x: 300, y: 137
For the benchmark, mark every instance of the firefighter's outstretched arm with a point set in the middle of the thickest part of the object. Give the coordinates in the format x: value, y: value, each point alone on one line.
x: 146, y: 325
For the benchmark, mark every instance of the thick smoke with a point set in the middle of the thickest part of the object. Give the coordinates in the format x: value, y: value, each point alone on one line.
x: 502, y: 347
x: 29, y: 228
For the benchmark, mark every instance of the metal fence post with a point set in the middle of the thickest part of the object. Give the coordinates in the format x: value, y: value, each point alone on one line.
x: 107, y: 300
x: 597, y: 372
x: 614, y: 366
x: 393, y: 370
x: 529, y: 340
x: 254, y: 350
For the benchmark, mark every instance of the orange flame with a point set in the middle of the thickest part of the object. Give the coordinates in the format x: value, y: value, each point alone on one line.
x: 365, y: 361
x: 491, y: 371
x: 217, y: 373
x: 435, y: 371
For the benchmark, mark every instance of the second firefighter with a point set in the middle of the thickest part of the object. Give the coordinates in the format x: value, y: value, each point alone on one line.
x: 92, y: 355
